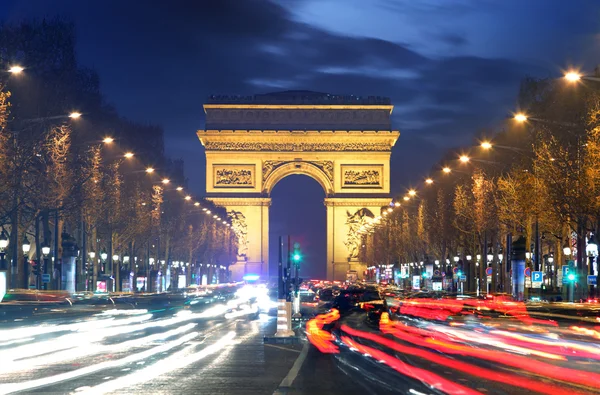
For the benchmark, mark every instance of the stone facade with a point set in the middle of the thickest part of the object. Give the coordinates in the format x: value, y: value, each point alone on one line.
x: 351, y: 164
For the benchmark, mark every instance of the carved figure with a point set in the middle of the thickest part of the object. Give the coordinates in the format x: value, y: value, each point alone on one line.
x: 233, y: 177
x: 362, y: 177
x: 354, y: 222
x: 238, y: 223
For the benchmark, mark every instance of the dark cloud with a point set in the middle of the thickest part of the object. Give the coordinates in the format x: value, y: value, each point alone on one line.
x: 159, y: 60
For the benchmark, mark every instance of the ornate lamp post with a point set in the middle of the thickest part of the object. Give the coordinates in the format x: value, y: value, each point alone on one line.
x: 26, y: 246
x: 592, y: 252
x: 45, y: 253
x: 3, y: 266
x: 103, y: 257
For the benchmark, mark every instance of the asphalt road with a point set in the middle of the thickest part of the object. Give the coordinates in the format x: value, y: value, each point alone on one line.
x: 202, y: 351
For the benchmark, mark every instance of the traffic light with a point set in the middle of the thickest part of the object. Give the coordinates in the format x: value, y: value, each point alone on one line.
x: 571, y: 277
x: 459, y: 273
x: 296, y: 257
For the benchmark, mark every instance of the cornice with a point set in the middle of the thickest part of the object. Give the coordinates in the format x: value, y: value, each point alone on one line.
x: 358, y: 201
x: 240, y: 201
x: 390, y: 108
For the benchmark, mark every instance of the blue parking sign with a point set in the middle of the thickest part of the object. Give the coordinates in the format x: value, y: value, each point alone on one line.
x: 592, y: 280
x: 537, y: 277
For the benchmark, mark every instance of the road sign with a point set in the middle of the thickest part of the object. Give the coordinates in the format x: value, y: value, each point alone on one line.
x: 455, y: 270
x: 537, y: 277
x: 488, y: 271
x: 592, y: 280
x: 436, y: 273
x: 527, y: 272
x: 527, y: 282
x: 463, y: 277
x: 45, y: 278
x: 563, y: 275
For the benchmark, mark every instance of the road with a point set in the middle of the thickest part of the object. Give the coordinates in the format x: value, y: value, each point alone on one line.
x: 212, y: 348
x: 205, y: 350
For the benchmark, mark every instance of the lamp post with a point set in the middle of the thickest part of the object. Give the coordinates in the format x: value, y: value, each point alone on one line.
x: 571, y: 273
x: 90, y: 272
x: 103, y: 257
x: 45, y: 253
x: 26, y: 246
x: 592, y: 252
x: 116, y: 273
x: 3, y: 266
x: 490, y: 259
x: 552, y: 272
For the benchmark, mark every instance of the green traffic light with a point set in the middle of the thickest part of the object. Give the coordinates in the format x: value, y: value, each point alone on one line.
x: 296, y: 257
x: 571, y: 277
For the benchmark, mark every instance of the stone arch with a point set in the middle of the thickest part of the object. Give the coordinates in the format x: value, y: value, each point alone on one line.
x: 303, y: 168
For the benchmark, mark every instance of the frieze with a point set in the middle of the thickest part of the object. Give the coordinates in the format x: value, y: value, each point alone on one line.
x: 229, y: 176
x: 304, y: 147
x: 269, y: 166
x: 357, y: 176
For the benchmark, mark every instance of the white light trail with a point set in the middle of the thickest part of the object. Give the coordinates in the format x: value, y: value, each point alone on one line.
x: 51, y: 380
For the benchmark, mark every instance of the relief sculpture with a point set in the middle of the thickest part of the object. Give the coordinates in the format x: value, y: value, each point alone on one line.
x: 238, y: 223
x: 234, y: 176
x: 354, y: 222
x: 309, y: 147
x: 370, y: 177
x: 269, y: 166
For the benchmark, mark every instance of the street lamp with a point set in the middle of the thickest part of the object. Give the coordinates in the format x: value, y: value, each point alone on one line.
x: 45, y: 253
x: 26, y: 247
x: 92, y: 254
x: 456, y: 259
x: 3, y: 267
x: 429, y: 181
x: 572, y: 76
x: 464, y: 159
x: 108, y: 140
x: 75, y: 115
x: 446, y: 170
x: 486, y: 145
x: 592, y: 252
x: 115, y: 257
x: 520, y: 117
x: 103, y: 255
x: 16, y: 69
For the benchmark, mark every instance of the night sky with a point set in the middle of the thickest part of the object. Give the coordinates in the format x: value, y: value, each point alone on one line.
x: 451, y: 68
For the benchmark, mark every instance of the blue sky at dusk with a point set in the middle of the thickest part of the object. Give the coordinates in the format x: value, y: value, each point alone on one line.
x: 451, y: 67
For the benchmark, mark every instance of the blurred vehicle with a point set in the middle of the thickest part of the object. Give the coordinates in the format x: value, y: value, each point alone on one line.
x: 351, y: 276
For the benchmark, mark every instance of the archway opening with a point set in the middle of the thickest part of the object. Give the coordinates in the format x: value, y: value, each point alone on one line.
x: 297, y: 210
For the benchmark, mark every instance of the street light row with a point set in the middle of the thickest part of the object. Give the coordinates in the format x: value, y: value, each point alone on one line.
x: 166, y: 181
x: 571, y: 76
x: 16, y: 69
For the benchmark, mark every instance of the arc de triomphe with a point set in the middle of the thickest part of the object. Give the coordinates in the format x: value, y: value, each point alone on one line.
x: 343, y: 142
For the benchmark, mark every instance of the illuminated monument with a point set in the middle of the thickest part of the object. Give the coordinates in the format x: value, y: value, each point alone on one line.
x: 343, y: 142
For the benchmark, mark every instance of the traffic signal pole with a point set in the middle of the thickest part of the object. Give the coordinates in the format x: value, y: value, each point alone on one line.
x: 284, y: 305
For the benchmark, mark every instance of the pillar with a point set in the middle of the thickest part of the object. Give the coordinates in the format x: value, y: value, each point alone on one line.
x: 339, y: 210
x: 250, y: 217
